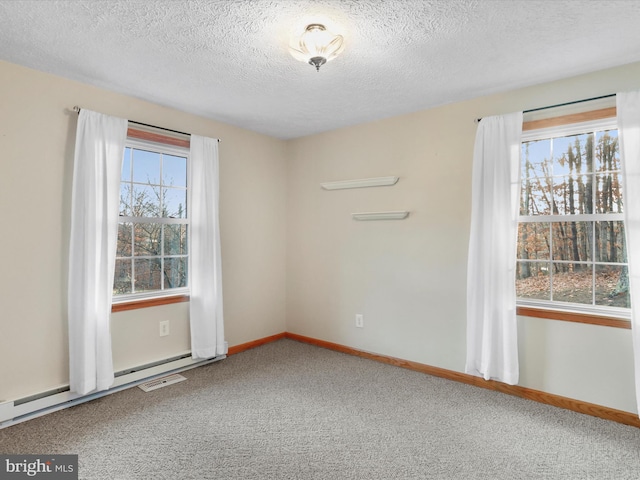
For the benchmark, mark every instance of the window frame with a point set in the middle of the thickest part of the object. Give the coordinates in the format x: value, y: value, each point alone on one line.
x: 157, y: 143
x: 587, y: 122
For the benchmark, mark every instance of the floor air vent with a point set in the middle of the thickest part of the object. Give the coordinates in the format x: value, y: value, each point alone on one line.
x: 161, y: 382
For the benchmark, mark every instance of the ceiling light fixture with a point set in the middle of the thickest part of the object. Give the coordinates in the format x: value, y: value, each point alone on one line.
x: 316, y: 46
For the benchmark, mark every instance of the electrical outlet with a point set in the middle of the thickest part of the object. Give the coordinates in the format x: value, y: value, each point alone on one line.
x: 359, y: 320
x: 164, y: 328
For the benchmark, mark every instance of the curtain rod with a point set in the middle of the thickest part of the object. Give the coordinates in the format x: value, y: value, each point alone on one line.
x: 77, y: 110
x: 477, y: 120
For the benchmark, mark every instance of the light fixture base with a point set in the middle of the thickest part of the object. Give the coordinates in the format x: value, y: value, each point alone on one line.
x: 317, y: 62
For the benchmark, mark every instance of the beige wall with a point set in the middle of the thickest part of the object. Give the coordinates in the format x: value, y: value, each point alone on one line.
x: 290, y: 250
x: 408, y: 277
x: 37, y: 132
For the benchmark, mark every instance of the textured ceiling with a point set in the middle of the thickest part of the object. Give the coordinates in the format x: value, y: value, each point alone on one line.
x: 228, y: 59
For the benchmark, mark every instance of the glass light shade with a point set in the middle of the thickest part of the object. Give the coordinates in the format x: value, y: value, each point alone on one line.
x: 317, y: 46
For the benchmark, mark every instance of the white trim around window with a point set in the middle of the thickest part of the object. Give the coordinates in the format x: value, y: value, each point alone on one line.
x: 560, y: 306
x: 164, y: 149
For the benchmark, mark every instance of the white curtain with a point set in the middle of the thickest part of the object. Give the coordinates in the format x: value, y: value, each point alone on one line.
x: 492, y: 343
x: 628, y: 108
x: 205, y: 270
x: 94, y: 227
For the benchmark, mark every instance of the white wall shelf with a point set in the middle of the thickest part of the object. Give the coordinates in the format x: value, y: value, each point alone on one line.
x: 380, y: 215
x: 360, y: 183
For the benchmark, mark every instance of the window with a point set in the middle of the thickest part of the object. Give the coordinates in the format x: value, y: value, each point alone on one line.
x: 152, y: 251
x: 571, y: 245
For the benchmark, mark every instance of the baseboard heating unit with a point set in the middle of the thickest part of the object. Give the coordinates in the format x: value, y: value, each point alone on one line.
x: 23, y: 409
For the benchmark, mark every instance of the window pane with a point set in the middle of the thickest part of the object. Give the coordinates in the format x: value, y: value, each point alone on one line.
x: 147, y: 274
x: 146, y: 167
x: 147, y: 239
x: 126, y: 165
x: 607, y: 152
x: 535, y: 158
x: 175, y: 239
x: 572, y: 241
x: 175, y: 203
x: 609, y: 193
x: 122, y: 278
x: 174, y: 171
x: 125, y: 199
x: 175, y: 272
x: 146, y: 201
x: 532, y: 280
x: 123, y: 248
x: 572, y: 283
x: 535, y: 195
x: 612, y: 286
x: 586, y: 195
x: 533, y: 241
x: 610, y: 242
x: 569, y: 154
x: 569, y: 195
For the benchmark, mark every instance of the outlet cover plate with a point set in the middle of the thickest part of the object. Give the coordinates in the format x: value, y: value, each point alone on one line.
x: 164, y: 328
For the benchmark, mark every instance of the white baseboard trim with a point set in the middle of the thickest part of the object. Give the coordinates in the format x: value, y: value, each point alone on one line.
x: 11, y: 414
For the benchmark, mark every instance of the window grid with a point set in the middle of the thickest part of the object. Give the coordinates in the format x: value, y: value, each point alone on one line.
x: 597, y: 218
x: 163, y: 218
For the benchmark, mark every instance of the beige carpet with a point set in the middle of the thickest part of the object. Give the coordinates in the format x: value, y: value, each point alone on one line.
x: 288, y: 410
